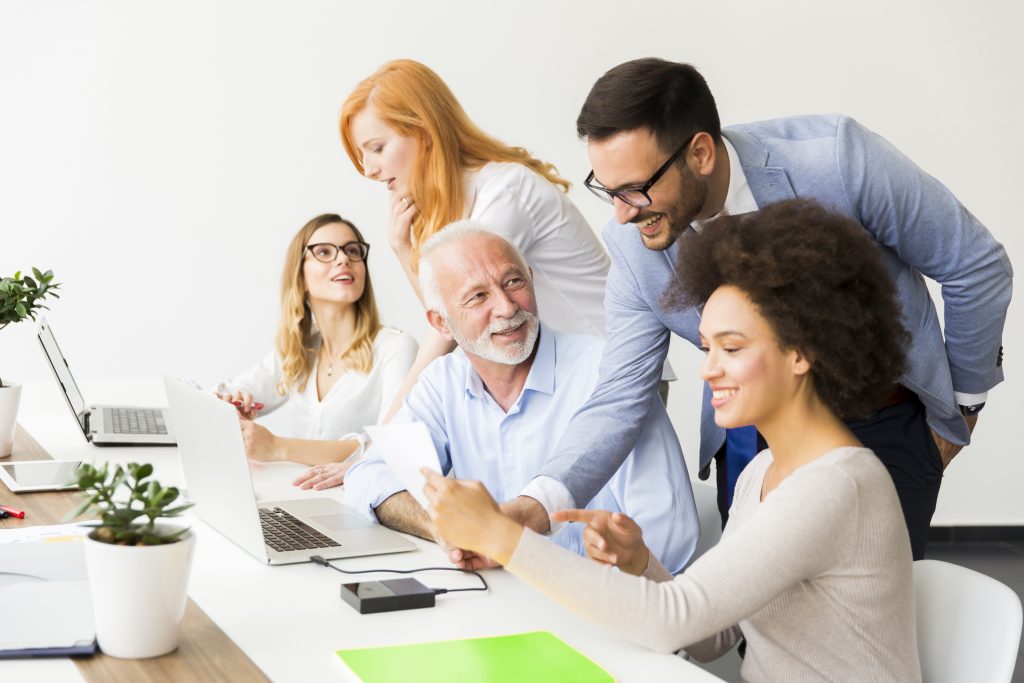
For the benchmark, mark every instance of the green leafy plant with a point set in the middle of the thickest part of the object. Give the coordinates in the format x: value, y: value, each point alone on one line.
x: 20, y: 297
x: 143, y: 498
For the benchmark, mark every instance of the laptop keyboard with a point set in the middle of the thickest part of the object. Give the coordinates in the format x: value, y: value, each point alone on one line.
x: 283, y: 532
x: 135, y: 420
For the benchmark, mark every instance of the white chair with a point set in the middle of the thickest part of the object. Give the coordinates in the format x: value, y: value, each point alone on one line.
x: 968, y: 624
x: 706, y: 497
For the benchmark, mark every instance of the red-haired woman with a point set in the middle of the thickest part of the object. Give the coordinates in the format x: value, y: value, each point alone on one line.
x: 402, y: 126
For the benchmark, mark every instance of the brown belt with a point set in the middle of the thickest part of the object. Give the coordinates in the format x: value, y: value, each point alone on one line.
x: 900, y: 394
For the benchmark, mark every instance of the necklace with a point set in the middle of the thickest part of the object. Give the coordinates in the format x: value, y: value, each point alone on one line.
x: 330, y: 365
x: 330, y: 358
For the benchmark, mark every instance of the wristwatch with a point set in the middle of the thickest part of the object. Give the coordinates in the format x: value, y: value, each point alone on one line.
x: 968, y: 411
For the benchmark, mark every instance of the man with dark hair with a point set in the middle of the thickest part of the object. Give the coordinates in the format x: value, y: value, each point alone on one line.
x: 660, y: 158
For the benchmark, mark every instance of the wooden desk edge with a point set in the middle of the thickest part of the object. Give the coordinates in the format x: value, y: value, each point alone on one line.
x: 204, y: 653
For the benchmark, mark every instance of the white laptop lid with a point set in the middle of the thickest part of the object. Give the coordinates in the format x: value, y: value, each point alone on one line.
x: 215, y: 466
x: 63, y: 373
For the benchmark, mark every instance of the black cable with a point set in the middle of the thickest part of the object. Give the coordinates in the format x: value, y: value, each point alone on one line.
x: 319, y: 559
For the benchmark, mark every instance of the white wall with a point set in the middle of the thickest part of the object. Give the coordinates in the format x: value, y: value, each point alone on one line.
x: 158, y: 156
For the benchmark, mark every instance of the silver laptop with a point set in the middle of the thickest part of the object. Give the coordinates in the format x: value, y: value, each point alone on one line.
x: 105, y: 425
x: 219, y: 483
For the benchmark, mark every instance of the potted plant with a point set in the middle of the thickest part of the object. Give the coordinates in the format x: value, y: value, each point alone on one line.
x: 138, y: 569
x: 20, y: 298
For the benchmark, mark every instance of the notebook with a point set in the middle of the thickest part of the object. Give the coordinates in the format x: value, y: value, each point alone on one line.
x: 44, y: 595
x: 538, y: 657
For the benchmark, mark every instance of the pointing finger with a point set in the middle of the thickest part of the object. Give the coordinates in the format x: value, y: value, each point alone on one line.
x: 585, y: 516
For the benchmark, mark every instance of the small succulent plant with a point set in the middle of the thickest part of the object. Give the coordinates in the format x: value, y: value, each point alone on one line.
x: 141, y: 497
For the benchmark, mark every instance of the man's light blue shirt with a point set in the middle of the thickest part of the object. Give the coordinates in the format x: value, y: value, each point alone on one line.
x: 476, y: 439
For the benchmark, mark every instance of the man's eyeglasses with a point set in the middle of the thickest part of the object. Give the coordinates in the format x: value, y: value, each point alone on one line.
x: 326, y: 253
x: 635, y: 195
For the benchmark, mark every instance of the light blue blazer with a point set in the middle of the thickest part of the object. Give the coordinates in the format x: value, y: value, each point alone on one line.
x: 921, y: 230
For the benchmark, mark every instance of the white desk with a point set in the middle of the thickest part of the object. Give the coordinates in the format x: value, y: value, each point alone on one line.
x: 289, y: 620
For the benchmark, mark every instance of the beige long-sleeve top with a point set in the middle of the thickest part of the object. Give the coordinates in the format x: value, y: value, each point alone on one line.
x: 818, y: 577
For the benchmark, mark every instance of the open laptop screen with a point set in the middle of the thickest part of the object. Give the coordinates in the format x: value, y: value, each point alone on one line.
x: 62, y: 372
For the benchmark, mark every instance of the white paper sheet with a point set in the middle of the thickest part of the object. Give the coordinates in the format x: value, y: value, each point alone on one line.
x: 406, y: 448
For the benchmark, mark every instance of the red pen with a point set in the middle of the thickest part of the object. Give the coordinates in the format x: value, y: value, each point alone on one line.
x: 256, y: 406
x: 13, y: 512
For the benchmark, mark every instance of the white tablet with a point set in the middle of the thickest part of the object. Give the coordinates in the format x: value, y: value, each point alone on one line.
x: 40, y: 475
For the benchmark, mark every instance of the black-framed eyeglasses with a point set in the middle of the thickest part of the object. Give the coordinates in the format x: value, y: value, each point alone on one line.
x: 635, y: 195
x: 326, y: 252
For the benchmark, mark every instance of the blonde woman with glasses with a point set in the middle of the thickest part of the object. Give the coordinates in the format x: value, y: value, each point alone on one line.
x: 404, y: 128
x: 335, y: 368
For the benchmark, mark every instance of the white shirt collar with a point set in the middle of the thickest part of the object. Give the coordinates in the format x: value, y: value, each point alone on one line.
x: 738, y: 199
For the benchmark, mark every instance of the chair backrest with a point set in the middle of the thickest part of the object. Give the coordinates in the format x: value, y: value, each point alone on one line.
x: 968, y: 624
x: 706, y: 497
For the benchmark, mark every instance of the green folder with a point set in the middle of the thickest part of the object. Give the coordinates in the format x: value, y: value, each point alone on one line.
x: 538, y: 657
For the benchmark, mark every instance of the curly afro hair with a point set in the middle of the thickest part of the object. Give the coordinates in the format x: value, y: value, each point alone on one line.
x: 818, y: 280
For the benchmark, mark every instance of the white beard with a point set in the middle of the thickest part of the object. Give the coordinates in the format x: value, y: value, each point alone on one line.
x: 482, y: 346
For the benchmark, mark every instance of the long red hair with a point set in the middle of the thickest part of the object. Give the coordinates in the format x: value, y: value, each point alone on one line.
x: 415, y: 102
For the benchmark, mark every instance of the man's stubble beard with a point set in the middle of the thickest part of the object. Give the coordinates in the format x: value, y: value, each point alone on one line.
x: 692, y: 195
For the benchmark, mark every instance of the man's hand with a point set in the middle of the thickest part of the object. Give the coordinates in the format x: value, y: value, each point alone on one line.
x: 528, y: 512
x: 611, y: 538
x: 949, y: 450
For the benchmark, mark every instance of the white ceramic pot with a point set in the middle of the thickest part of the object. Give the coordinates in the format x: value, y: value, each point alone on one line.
x: 10, y: 397
x: 138, y: 595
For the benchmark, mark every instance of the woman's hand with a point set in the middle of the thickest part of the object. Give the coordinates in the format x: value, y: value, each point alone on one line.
x: 465, y: 516
x: 260, y: 443
x: 467, y: 559
x: 323, y: 476
x: 243, y: 400
x: 611, y: 538
x: 402, y: 212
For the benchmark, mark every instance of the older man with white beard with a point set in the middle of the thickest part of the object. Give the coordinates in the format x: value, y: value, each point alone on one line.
x: 496, y: 408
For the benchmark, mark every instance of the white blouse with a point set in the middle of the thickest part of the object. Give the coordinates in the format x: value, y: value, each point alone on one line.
x: 355, y: 400
x: 569, y: 264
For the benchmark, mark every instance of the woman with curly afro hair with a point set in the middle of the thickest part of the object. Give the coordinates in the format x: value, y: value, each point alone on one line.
x: 801, y: 329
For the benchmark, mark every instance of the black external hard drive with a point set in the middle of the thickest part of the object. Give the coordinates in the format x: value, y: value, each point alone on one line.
x: 369, y: 597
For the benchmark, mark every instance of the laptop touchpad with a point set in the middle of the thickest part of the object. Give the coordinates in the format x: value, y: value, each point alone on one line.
x: 342, y: 522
